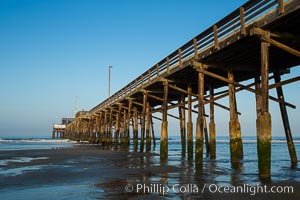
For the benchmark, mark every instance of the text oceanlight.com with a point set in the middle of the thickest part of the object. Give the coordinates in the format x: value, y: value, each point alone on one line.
x: 158, y: 188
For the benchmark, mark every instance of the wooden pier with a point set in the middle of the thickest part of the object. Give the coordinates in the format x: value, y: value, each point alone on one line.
x: 257, y: 42
x: 59, y: 130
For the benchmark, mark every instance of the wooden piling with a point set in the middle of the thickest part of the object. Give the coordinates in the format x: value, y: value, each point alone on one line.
x: 101, y: 139
x: 181, y: 110
x: 135, y: 129
x: 207, y: 146
x: 105, y: 128
x: 128, y: 123
x: 286, y: 123
x: 148, y: 124
x: 264, y: 123
x: 200, y: 125
x: 152, y: 131
x: 117, y: 127
x: 124, y: 129
x: 190, y: 124
x: 143, y: 121
x: 110, y: 130
x: 212, y: 126
x: 164, y: 126
x: 236, y: 146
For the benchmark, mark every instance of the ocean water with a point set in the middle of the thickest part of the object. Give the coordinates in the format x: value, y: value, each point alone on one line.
x: 221, y: 171
x: 218, y: 171
x: 33, y: 143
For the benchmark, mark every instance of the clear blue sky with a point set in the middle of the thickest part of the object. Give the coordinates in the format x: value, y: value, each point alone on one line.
x: 54, y: 50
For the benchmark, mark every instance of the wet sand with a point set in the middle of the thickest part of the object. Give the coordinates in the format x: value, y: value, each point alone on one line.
x: 92, y: 172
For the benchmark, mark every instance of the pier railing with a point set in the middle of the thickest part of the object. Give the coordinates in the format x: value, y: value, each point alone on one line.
x: 237, y: 21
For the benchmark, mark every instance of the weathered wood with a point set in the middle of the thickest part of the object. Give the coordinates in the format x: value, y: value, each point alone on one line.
x: 154, y: 97
x: 148, y: 123
x: 215, y: 29
x: 181, y: 90
x: 157, y: 70
x: 135, y: 129
x: 242, y: 19
x: 164, y: 126
x: 206, y: 135
x: 286, y: 123
x: 168, y: 64
x: 190, y: 125
x: 137, y: 103
x: 152, y: 131
x: 200, y: 122
x: 105, y: 138
x: 179, y: 58
x: 143, y: 121
x: 282, y: 83
x: 149, y: 76
x: 212, y: 126
x: 128, y: 122
x: 181, y: 110
x: 238, y: 84
x: 236, y: 146
x: 264, y: 118
x: 117, y: 127
x: 110, y: 127
x: 124, y: 129
x: 280, y: 7
x: 284, y: 47
x: 195, y: 48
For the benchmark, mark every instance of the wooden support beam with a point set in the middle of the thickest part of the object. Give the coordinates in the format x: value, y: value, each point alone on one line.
x: 206, y: 135
x: 117, y: 127
x: 200, y: 121
x: 266, y: 37
x: 284, y: 47
x: 281, y: 83
x: 286, y: 123
x: 181, y: 110
x: 143, y: 121
x: 156, y: 118
x: 264, y: 123
x: 137, y: 103
x: 190, y: 124
x: 127, y: 141
x: 135, y: 129
x: 110, y: 127
x: 236, y: 146
x: 181, y: 90
x: 155, y: 97
x: 164, y: 126
x: 212, y: 126
x: 148, y: 121
x: 216, y: 76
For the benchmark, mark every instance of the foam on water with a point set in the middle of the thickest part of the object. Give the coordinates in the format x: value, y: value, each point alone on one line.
x: 20, y: 160
x: 34, y: 143
x: 20, y: 170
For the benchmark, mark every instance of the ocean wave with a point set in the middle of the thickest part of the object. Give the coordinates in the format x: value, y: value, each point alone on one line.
x: 36, y: 141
